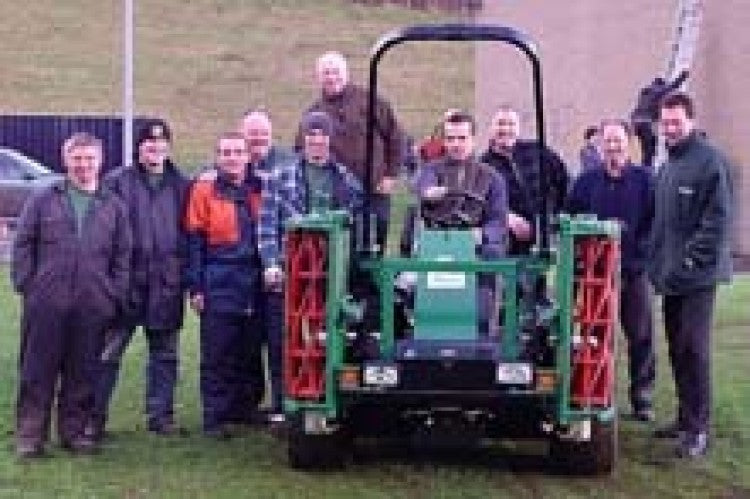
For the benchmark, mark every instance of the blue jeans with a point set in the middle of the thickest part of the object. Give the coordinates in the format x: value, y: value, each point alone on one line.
x: 161, y: 372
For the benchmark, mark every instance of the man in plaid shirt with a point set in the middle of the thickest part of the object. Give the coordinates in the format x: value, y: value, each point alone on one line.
x: 313, y: 183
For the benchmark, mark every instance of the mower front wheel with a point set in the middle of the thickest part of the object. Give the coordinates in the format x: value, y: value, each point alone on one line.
x: 596, y: 456
x: 316, y: 451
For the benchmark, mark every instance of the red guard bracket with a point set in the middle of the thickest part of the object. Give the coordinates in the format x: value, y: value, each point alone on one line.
x: 595, y: 317
x: 305, y: 315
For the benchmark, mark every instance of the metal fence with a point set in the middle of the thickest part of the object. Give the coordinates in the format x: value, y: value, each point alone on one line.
x: 40, y: 136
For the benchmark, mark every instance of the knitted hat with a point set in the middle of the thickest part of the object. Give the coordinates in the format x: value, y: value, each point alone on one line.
x: 317, y: 120
x: 152, y: 130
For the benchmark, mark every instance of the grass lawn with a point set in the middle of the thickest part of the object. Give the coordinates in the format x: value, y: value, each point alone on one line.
x: 135, y: 464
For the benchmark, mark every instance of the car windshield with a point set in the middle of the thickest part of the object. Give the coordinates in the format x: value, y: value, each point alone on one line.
x: 15, y: 165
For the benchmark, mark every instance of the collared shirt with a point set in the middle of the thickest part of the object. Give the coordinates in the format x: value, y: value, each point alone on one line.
x: 80, y: 201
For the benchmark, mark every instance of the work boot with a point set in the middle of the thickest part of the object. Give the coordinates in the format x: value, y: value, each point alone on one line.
x: 26, y: 450
x: 94, y: 429
x: 692, y: 445
x: 276, y: 418
x: 164, y: 429
x: 83, y: 446
x: 168, y: 429
x: 221, y: 432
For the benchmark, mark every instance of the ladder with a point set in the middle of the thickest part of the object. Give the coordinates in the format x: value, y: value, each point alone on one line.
x: 681, y: 52
x: 685, y: 41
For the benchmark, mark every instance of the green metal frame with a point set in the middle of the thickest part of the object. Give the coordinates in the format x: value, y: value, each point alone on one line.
x: 334, y: 225
x: 570, y: 229
x: 384, y: 271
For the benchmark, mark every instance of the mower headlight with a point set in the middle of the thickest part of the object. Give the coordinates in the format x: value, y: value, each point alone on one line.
x: 381, y: 375
x: 514, y: 373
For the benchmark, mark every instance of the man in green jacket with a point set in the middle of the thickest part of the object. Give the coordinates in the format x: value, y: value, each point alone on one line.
x: 689, y: 256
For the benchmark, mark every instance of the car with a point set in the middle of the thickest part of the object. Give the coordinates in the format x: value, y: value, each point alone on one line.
x: 20, y: 177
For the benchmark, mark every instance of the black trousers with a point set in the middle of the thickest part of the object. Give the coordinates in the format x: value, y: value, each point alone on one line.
x: 687, y: 321
x: 636, y: 318
x: 58, y: 343
x: 161, y: 372
x: 273, y: 323
x: 231, y: 380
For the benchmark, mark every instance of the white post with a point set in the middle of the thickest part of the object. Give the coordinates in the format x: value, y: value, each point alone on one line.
x: 127, y: 83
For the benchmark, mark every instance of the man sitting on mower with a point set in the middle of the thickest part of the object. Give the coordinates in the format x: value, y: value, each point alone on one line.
x: 458, y: 192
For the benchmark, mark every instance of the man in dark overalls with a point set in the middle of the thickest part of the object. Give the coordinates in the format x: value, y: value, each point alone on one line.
x: 71, y: 261
x: 154, y: 192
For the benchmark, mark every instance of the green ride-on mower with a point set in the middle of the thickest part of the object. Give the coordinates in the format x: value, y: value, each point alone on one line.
x: 365, y: 357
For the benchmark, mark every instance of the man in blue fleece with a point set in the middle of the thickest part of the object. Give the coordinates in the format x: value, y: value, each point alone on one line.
x: 624, y: 192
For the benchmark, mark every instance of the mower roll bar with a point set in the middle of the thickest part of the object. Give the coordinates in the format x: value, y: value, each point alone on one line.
x: 455, y: 32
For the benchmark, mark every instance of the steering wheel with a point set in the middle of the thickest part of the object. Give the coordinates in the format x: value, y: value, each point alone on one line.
x: 456, y: 215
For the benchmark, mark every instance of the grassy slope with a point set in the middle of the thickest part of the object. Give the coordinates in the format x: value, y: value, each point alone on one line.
x: 201, y: 63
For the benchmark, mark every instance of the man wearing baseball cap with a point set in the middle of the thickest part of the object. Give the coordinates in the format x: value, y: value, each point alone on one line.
x: 154, y: 192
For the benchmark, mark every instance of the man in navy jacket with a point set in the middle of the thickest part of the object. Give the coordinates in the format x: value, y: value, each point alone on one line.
x: 624, y: 192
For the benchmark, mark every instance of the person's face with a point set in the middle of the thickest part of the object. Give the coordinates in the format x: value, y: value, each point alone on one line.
x: 317, y: 146
x: 153, y: 152
x: 82, y: 164
x: 614, y: 141
x: 332, y: 77
x: 675, y: 124
x: 505, y: 129
x: 596, y: 140
x: 232, y: 157
x: 256, y: 127
x: 459, y: 140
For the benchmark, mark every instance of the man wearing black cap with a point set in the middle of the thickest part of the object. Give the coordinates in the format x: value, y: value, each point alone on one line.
x: 154, y: 192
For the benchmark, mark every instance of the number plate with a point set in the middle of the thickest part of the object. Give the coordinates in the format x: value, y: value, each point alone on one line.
x: 514, y: 373
x: 446, y: 280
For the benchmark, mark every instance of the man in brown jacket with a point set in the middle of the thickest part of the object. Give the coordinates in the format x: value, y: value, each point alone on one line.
x: 346, y: 104
x: 71, y: 258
